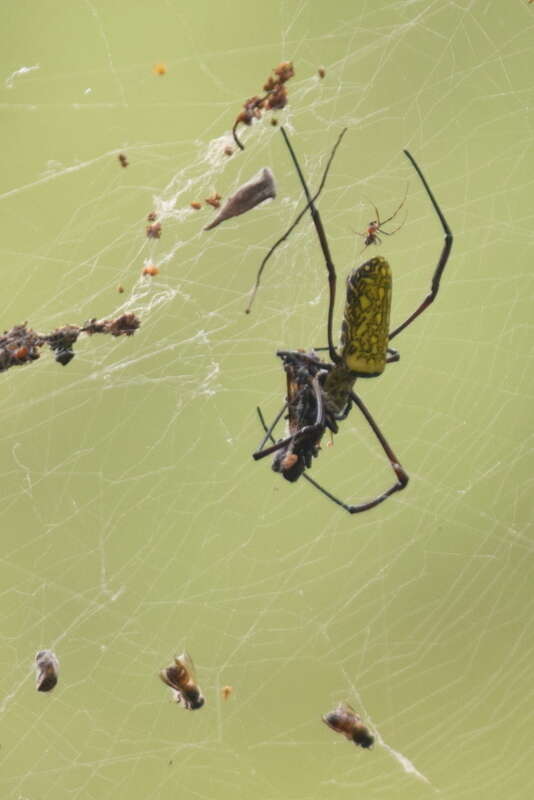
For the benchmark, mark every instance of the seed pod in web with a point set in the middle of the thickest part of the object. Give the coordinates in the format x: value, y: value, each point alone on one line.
x: 261, y: 187
x: 47, y: 668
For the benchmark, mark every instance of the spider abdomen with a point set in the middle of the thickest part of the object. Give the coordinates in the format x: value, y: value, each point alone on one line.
x: 365, y: 328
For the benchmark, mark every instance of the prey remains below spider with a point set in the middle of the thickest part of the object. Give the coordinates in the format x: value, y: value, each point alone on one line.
x: 320, y: 394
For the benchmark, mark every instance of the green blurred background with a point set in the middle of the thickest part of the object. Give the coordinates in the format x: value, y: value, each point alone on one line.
x: 134, y: 521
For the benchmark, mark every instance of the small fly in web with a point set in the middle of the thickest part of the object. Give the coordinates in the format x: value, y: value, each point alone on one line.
x: 320, y: 394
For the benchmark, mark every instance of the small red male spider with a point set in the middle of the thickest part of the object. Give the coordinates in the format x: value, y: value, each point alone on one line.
x: 376, y: 226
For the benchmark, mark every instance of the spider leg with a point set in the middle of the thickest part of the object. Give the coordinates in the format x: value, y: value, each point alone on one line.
x: 345, y: 413
x: 309, y: 431
x: 334, y: 356
x: 269, y: 430
x: 330, y: 495
x: 385, y: 221
x: 377, y: 215
x: 293, y: 224
x: 390, y: 233
x: 444, y: 256
x: 402, y: 477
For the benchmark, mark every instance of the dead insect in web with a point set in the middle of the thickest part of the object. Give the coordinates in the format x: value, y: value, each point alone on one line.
x: 261, y: 187
x: 375, y: 227
x: 320, y: 394
x: 226, y: 692
x: 151, y: 216
x: 228, y: 151
x: 153, y: 231
x: 159, y: 69
x: 346, y: 721
x: 214, y: 200
x: 321, y: 72
x: 47, y: 669
x: 120, y: 289
x: 123, y: 161
x: 196, y: 205
x: 180, y: 677
x: 150, y: 269
x: 274, y: 122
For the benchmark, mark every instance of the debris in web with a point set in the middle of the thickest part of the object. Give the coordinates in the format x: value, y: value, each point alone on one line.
x: 214, y: 200
x: 226, y: 692
x: 275, y: 97
x: 10, y: 80
x: 47, y: 668
x: 123, y: 161
x: 22, y: 345
x: 153, y: 231
x: 407, y: 765
x: 261, y: 187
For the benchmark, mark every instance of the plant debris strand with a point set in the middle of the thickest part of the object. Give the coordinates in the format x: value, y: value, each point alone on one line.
x: 22, y: 345
x: 275, y: 97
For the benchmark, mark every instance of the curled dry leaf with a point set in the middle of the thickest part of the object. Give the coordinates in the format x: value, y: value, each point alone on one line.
x: 261, y: 187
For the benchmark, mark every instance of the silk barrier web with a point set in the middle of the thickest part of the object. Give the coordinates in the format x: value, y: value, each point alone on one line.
x: 135, y: 524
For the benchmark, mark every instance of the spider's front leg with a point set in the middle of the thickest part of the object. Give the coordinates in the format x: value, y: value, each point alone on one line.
x: 444, y: 256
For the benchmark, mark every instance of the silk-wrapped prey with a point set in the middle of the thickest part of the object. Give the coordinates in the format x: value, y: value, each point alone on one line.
x: 46, y: 668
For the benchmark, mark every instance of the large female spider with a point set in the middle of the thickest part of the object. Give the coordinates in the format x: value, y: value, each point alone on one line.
x: 320, y: 394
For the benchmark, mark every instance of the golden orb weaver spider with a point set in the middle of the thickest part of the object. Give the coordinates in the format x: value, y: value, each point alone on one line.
x: 320, y: 394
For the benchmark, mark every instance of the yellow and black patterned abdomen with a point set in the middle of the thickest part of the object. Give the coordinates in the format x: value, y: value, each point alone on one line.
x: 365, y: 329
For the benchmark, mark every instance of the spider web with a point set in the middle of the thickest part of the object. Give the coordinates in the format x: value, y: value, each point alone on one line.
x: 135, y: 523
